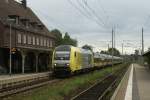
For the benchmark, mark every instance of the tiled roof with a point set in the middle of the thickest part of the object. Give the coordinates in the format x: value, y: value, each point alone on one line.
x: 14, y: 8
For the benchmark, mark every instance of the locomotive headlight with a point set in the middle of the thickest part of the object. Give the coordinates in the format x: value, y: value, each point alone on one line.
x: 67, y: 64
x: 55, y: 64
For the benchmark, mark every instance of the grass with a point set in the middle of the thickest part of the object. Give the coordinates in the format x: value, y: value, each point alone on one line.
x: 65, y: 88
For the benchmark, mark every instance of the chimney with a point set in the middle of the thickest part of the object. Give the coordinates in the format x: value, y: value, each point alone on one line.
x: 24, y: 3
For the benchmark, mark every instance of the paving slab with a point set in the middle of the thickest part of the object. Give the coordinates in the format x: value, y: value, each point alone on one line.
x: 141, y: 83
x: 135, y: 85
x: 120, y: 92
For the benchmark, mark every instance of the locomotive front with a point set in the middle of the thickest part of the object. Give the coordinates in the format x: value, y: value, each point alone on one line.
x: 61, y: 60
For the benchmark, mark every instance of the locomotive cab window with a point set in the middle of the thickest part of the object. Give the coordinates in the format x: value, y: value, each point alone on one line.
x: 62, y: 56
x: 75, y: 54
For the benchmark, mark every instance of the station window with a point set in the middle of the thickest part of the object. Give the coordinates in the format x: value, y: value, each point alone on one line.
x: 27, y: 24
x: 44, y: 42
x: 48, y: 43
x: 51, y: 44
x: 41, y: 41
x: 29, y: 39
x: 33, y: 40
x: 24, y: 39
x: 19, y: 38
x: 17, y: 20
x: 37, y: 41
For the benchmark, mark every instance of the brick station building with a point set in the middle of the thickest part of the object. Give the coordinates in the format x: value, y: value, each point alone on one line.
x: 31, y: 42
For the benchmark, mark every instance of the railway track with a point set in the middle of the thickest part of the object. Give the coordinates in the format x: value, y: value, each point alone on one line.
x: 6, y: 92
x: 101, y: 89
x: 10, y: 89
x: 23, y: 83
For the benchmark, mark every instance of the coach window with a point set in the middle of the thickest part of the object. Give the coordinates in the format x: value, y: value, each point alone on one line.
x: 19, y: 38
x: 89, y: 58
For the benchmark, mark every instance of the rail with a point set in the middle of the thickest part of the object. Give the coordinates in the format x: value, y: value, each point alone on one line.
x: 15, y: 85
x: 101, y: 89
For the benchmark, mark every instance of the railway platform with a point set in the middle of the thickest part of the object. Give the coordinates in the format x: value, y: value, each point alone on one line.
x: 15, y: 76
x: 7, y: 80
x: 21, y: 82
x: 135, y: 85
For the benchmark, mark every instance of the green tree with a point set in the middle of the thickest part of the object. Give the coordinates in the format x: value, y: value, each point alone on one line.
x: 137, y: 52
x: 87, y: 47
x: 104, y: 52
x: 67, y: 40
x: 58, y: 36
x: 115, y: 51
x: 74, y: 42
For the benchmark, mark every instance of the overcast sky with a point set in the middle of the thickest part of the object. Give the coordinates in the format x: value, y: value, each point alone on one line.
x: 91, y: 21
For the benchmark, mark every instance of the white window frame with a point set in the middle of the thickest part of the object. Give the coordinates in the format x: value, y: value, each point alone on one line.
x: 45, y: 42
x: 29, y: 39
x: 37, y: 41
x: 48, y: 43
x: 24, y: 39
x: 41, y: 41
x: 33, y: 40
x: 19, y: 37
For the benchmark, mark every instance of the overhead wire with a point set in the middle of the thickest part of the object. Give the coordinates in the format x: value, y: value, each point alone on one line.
x: 105, y: 12
x: 90, y: 13
x: 93, y: 11
x: 80, y: 10
x: 86, y: 12
x: 99, y: 9
x: 41, y: 15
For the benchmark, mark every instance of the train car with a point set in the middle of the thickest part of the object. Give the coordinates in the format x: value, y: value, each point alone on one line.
x: 102, y: 60
x: 99, y: 60
x: 118, y: 60
x: 68, y: 60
